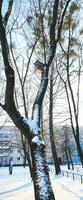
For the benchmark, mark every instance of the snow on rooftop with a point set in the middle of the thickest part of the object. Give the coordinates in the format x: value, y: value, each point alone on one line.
x: 4, y: 147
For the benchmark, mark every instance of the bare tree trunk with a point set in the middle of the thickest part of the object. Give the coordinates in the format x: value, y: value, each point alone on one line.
x: 75, y: 107
x: 42, y: 189
x: 52, y: 139
x: 27, y: 154
x: 67, y: 158
x: 71, y: 161
x: 75, y: 130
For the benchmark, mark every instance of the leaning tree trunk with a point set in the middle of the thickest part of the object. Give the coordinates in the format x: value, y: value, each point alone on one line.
x: 51, y: 131
x: 75, y: 131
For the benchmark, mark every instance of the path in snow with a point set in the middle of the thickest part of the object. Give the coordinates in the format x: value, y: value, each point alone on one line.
x: 20, y: 187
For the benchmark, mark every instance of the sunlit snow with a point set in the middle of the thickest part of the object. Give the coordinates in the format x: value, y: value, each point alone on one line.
x: 19, y: 185
x: 37, y: 140
x: 33, y: 124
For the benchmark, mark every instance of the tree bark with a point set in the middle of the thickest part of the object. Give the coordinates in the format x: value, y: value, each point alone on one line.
x: 43, y: 190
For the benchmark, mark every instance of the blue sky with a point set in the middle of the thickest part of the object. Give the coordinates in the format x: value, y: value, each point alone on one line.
x: 5, y: 5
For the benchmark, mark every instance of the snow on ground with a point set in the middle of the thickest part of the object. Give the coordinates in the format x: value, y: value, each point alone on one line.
x: 19, y: 186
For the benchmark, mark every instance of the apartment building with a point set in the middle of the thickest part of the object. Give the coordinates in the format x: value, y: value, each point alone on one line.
x: 10, y: 146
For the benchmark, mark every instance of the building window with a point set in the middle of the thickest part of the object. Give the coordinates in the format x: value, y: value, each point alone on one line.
x: 6, y: 136
x: 11, y: 150
x: 18, y: 151
x: 18, y: 158
x: 2, y: 151
x: 11, y: 158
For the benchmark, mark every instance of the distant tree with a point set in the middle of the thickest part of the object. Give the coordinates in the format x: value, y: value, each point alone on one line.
x: 51, y: 124
x: 66, y: 146
x: 70, y: 71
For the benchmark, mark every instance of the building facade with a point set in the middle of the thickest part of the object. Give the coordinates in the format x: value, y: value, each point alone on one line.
x: 10, y: 146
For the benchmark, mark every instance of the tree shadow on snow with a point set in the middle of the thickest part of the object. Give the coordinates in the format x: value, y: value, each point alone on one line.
x: 24, y: 186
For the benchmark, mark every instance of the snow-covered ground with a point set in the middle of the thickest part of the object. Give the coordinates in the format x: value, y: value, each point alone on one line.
x: 19, y: 185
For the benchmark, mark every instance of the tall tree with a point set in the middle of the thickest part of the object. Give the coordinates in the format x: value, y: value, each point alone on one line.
x: 51, y: 125
x: 31, y: 128
x: 67, y: 61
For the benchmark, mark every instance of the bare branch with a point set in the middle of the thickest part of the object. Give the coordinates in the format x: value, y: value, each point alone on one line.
x: 61, y: 23
x: 62, y: 48
x: 9, y: 105
x: 34, y: 45
x: 44, y: 82
x: 7, y: 15
x: 1, y: 105
x: 53, y: 43
x: 52, y: 33
x: 70, y: 111
x: 53, y: 24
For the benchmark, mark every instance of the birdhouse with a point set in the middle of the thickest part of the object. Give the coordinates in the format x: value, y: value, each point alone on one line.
x: 39, y: 67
